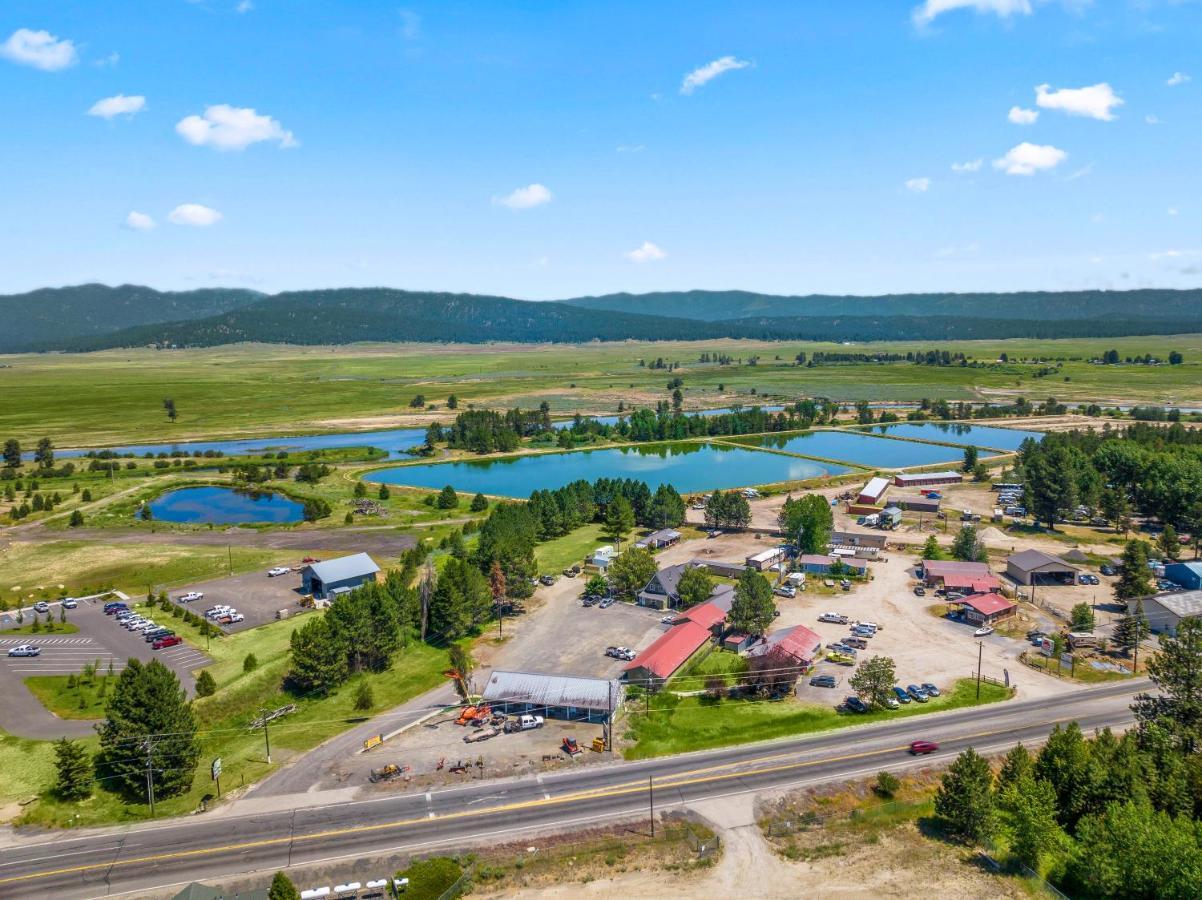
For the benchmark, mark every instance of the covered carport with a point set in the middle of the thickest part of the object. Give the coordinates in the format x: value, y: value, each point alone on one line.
x: 1034, y: 567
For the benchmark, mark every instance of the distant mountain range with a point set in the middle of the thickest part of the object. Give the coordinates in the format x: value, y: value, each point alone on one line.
x: 97, y: 317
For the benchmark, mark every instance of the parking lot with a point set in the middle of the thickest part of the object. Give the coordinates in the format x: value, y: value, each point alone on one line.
x: 256, y: 595
x: 99, y: 640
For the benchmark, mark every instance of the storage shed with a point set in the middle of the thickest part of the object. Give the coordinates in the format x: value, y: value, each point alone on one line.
x: 657, y: 540
x: 919, y: 504
x: 334, y: 577
x: 765, y: 559
x: 926, y: 479
x: 1185, y: 574
x: 1036, y: 567
x: 1165, y: 612
x: 873, y: 491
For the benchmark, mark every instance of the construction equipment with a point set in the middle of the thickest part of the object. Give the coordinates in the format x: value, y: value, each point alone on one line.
x: 599, y: 744
x: 387, y: 773
x: 466, y: 715
x: 570, y: 747
x: 459, y: 768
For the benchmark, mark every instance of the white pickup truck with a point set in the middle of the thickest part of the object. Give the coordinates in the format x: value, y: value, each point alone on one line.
x: 525, y: 723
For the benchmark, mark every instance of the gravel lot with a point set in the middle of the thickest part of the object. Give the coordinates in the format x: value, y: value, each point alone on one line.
x: 256, y: 595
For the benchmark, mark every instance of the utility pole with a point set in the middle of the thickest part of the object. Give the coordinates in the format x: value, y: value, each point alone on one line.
x: 150, y: 775
x: 609, y: 721
x: 230, y: 548
x: 651, y: 801
x: 980, y: 654
x: 266, y: 736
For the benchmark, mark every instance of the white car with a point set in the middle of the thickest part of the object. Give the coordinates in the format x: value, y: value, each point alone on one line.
x: 190, y: 596
x: 278, y: 570
x: 25, y: 650
x: 216, y: 611
x: 668, y: 620
x: 236, y: 617
x: 70, y: 603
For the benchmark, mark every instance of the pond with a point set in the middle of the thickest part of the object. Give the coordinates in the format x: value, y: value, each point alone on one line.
x: 958, y: 433
x: 225, y: 506
x: 863, y: 449
x: 689, y: 467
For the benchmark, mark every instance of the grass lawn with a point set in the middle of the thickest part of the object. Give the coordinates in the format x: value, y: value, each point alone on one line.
x: 67, y: 627
x: 85, y: 700
x: 703, y: 664
x: 678, y: 725
x: 78, y: 567
x: 556, y: 555
x: 26, y: 768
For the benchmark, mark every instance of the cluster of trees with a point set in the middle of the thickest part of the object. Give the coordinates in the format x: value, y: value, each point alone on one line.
x: 1150, y: 469
x: 1108, y: 816
x: 487, y: 431
x: 727, y: 509
x: 556, y: 512
x: 1112, y: 358
x: 808, y: 521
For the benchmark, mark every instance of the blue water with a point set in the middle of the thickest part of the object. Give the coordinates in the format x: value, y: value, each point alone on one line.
x: 863, y: 449
x: 956, y: 433
x: 394, y: 441
x: 687, y: 467
x: 224, y: 506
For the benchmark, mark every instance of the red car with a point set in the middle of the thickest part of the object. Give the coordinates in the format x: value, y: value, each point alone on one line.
x: 164, y: 643
x: 921, y: 748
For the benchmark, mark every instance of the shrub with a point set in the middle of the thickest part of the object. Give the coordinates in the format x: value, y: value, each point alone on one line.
x: 430, y: 878
x: 886, y: 785
x: 205, y: 685
x: 250, y: 663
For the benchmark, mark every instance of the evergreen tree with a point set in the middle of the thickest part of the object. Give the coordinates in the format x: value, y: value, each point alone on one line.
x: 1064, y: 763
x: 1016, y: 765
x: 1034, y: 832
x: 1168, y: 543
x: 666, y: 509
x: 318, y: 657
x: 965, y: 798
x: 76, y: 519
x: 205, y: 685
x: 447, y: 498
x: 364, y: 698
x: 967, y: 546
x: 1177, y: 672
x: 1132, y: 629
x: 148, y: 710
x: 1135, y: 579
x: 753, y: 609
x: 970, y: 459
x: 74, y: 768
x: 930, y: 550
x: 619, y: 519
x: 479, y: 503
x: 1081, y: 618
x: 462, y: 600
x: 282, y: 888
x: 12, y: 454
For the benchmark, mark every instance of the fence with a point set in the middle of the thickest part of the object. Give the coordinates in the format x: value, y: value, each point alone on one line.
x: 703, y: 847
x: 1039, y: 880
x: 458, y: 888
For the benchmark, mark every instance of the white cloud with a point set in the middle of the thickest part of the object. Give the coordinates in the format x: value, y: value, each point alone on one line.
x: 1080, y: 173
x: 648, y: 252
x: 929, y: 10
x: 111, y: 60
x: 411, y: 24
x: 526, y: 197
x: 1152, y: 119
x: 118, y: 105
x: 707, y: 73
x: 1020, y: 116
x: 139, y: 221
x: 972, y: 165
x: 918, y: 185
x: 1095, y: 102
x: 244, y: 6
x: 1177, y: 78
x: 225, y: 127
x: 1027, y: 159
x: 194, y: 214
x: 39, y: 49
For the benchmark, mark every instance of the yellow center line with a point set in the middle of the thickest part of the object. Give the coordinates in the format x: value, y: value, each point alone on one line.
x: 681, y: 779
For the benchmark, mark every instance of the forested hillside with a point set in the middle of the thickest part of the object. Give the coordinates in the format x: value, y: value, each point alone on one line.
x: 95, y: 317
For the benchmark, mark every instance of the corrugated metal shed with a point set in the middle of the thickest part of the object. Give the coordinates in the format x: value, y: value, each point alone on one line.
x: 345, y: 568
x: 552, y: 690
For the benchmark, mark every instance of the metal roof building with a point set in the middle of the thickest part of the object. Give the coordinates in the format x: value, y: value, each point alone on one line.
x: 667, y: 653
x: 327, y: 580
x: 924, y: 479
x: 1165, y: 612
x: 873, y: 491
x: 553, y: 696
x: 1037, y: 567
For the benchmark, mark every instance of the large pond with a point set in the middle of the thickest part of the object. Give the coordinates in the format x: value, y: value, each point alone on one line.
x: 395, y: 442
x: 225, y: 506
x: 957, y: 433
x: 863, y: 449
x: 688, y: 467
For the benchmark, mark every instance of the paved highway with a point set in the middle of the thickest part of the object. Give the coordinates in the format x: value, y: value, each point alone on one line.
x: 153, y: 856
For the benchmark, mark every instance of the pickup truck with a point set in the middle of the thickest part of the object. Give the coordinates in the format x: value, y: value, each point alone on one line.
x: 525, y: 723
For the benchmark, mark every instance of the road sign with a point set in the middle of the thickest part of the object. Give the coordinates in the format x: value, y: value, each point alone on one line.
x: 373, y: 741
x: 215, y: 769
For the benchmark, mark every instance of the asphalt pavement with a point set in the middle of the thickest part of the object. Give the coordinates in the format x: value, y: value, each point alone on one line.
x: 155, y: 856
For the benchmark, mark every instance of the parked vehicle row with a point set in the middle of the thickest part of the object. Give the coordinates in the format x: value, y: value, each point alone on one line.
x: 914, y: 693
x: 158, y: 636
x: 623, y: 653
x: 223, y: 614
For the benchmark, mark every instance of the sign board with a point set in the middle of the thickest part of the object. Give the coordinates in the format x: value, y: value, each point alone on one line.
x: 215, y: 769
x: 1047, y: 647
x: 373, y: 741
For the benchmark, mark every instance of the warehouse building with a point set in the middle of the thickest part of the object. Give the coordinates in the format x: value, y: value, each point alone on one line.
x: 1034, y: 567
x: 1166, y: 611
x: 918, y: 504
x: 553, y: 696
x: 765, y: 559
x: 873, y: 491
x: 331, y: 579
x: 926, y: 479
x: 1187, y: 575
x: 938, y: 572
x: 666, y: 654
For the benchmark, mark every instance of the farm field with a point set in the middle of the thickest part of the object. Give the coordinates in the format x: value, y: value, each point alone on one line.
x: 247, y: 390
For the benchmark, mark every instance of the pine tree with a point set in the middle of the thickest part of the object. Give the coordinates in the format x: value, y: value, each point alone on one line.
x: 364, y: 698
x: 1034, y: 832
x: 318, y: 657
x: 205, y: 685
x: 148, y: 705
x: 752, y: 610
x: 1135, y: 580
x: 74, y: 769
x: 1131, y: 630
x: 619, y: 519
x: 447, y: 498
x: 965, y: 799
x: 930, y: 550
x: 282, y: 888
x: 479, y: 503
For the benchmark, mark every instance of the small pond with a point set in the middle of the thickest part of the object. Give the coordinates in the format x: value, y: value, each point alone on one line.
x: 862, y: 449
x: 958, y: 433
x: 225, y: 506
x: 689, y: 467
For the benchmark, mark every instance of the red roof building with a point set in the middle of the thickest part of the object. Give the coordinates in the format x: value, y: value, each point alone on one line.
x: 973, y: 584
x: 985, y: 609
x: 667, y: 653
x: 799, y: 645
x: 935, y: 571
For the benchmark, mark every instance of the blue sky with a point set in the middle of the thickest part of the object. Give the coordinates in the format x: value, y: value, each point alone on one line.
x: 553, y: 149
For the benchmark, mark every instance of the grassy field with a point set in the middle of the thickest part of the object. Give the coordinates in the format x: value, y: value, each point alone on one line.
x: 59, y: 628
x: 79, y: 700
x: 26, y: 769
x: 240, y: 696
x: 51, y: 568
x: 116, y: 396
x: 678, y: 725
x: 556, y: 555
